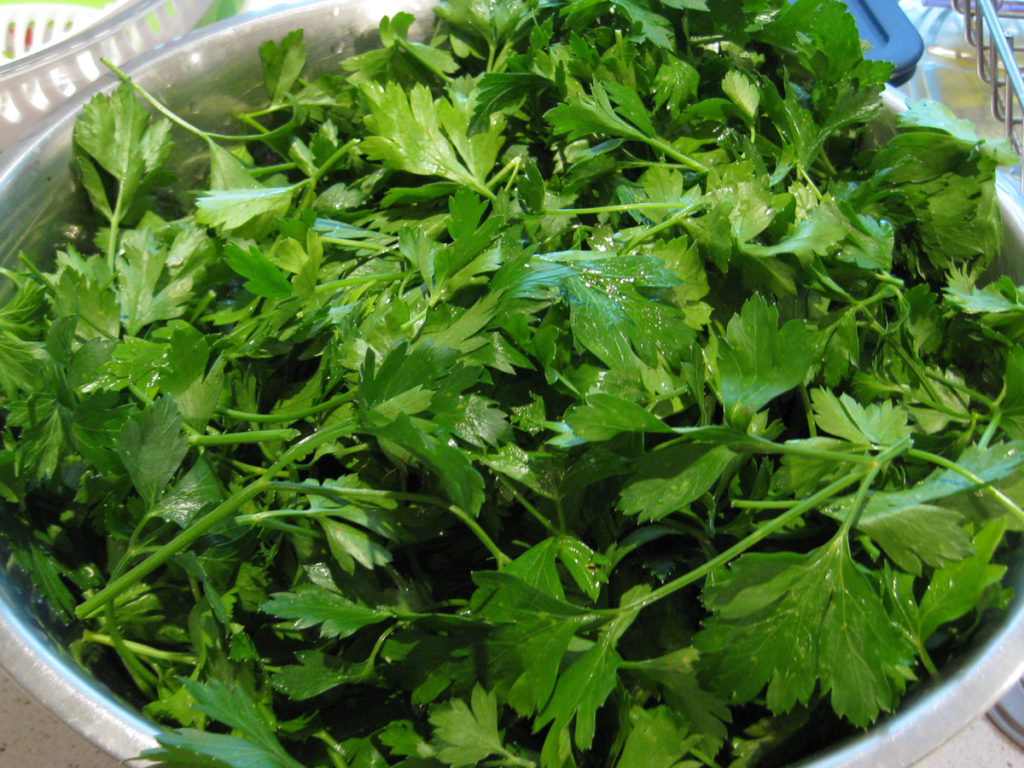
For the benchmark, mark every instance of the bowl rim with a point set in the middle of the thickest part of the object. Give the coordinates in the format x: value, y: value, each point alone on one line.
x: 927, y: 719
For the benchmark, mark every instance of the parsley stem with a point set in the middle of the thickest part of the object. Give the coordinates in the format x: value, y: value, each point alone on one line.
x: 963, y: 388
x: 799, y: 450
x: 336, y: 492
x: 342, y: 494
x: 115, y: 222
x: 269, y: 418
x: 887, y: 279
x: 675, y: 154
x: 358, y: 244
x: 210, y: 520
x: 650, y: 205
x: 344, y: 282
x: 183, y: 123
x: 140, y: 649
x: 982, y: 484
x: 762, y: 503
x: 37, y: 273
x: 323, y: 170
x: 812, y: 428
x: 499, y: 557
x: 270, y: 170
x: 199, y: 528
x: 283, y: 527
x: 827, y: 162
x: 509, y: 167
x: 883, y: 459
x: 743, y: 545
x: 647, y: 232
x: 272, y: 109
x: 143, y: 678
x: 240, y: 438
x: 990, y: 430
x: 810, y: 182
x: 534, y: 512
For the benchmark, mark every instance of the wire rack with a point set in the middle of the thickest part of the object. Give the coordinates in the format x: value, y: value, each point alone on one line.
x: 998, y: 63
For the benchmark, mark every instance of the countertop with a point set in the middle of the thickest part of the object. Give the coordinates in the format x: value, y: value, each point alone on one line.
x: 30, y: 737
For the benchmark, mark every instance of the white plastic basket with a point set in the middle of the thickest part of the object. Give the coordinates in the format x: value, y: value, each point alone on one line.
x: 53, y: 50
x: 30, y: 27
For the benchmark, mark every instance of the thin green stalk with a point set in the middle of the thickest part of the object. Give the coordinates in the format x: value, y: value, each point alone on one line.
x: 269, y: 170
x: 620, y: 208
x: 675, y: 154
x: 341, y: 493
x: 861, y: 497
x: 346, y: 282
x: 647, y: 232
x: 112, y: 232
x: 926, y: 658
x: 273, y: 109
x: 337, y: 493
x: 990, y: 430
x: 246, y: 468
x: 989, y: 403
x: 499, y: 557
x: 241, y: 438
x: 742, y: 546
x: 210, y: 520
x: 325, y: 167
x: 335, y: 751
x: 323, y: 170
x: 277, y: 525
x: 762, y: 503
x: 885, y: 277
x: 812, y: 428
x: 38, y: 274
x: 183, y: 123
x: 534, y: 512
x: 1005, y: 501
x: 270, y: 418
x: 140, y: 649
x: 799, y: 450
x: 347, y: 243
x: 143, y: 678
x: 810, y: 182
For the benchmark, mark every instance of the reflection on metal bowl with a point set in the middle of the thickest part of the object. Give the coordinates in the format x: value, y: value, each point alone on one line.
x: 215, y: 72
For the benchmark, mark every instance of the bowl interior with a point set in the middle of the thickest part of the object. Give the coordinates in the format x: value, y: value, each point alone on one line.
x: 206, y: 77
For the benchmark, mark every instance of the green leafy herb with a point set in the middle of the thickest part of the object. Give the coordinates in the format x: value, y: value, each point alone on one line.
x: 574, y: 384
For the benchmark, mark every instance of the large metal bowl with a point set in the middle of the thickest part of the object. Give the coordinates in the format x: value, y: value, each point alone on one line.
x: 215, y: 72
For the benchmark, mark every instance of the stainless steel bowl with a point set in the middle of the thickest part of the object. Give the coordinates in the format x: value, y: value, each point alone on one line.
x: 214, y: 72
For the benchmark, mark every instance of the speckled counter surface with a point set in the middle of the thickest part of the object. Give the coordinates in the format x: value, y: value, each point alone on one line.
x: 31, y: 738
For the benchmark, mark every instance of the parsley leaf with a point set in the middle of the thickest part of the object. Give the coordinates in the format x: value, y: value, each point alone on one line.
x: 758, y: 360
x: 794, y: 623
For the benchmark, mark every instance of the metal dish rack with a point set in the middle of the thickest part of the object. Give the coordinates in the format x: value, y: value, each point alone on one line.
x: 998, y: 66
x: 996, y: 57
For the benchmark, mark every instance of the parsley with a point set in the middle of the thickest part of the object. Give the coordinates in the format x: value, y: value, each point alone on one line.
x: 596, y: 384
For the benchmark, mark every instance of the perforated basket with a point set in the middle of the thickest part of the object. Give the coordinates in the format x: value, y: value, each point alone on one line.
x: 53, y: 50
x: 30, y: 27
